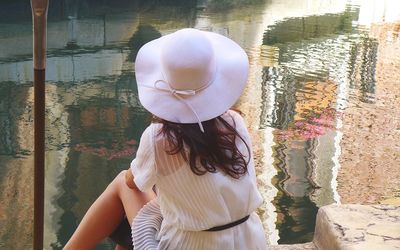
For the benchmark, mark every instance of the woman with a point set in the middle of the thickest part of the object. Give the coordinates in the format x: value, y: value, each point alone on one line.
x: 197, y: 156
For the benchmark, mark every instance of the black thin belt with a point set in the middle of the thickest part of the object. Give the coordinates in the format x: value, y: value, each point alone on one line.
x: 229, y: 225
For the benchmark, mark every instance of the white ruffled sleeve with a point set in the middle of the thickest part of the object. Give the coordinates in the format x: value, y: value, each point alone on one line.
x: 143, y: 167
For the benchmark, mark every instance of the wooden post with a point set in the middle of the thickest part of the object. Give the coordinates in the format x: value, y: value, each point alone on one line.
x: 39, y: 17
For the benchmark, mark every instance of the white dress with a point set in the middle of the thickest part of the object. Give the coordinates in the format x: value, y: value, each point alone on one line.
x: 190, y: 203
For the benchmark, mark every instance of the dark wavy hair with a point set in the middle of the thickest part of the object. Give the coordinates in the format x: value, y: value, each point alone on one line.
x: 215, y: 149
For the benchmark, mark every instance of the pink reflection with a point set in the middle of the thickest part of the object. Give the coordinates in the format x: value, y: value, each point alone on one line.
x: 117, y: 150
x: 314, y: 125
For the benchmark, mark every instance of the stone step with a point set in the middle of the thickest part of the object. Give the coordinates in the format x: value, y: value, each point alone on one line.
x: 354, y: 227
x: 305, y: 246
x: 358, y: 227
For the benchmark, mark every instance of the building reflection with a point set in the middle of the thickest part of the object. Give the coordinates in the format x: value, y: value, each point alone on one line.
x: 301, y: 88
x: 362, y: 76
x: 308, y: 60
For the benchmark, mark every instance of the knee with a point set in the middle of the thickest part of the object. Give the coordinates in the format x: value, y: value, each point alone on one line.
x: 118, y: 182
x: 121, y: 176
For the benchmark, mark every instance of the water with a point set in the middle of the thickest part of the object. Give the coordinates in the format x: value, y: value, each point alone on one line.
x: 310, y: 62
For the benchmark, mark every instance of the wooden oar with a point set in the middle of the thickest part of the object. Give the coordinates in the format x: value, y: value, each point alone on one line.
x: 39, y: 17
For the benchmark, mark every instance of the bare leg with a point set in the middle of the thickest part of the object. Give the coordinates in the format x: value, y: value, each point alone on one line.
x: 106, y: 213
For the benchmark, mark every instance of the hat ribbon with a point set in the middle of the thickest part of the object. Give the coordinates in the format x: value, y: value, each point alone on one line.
x: 177, y: 93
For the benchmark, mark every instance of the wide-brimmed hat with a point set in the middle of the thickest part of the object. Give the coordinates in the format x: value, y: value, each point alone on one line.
x: 190, y: 76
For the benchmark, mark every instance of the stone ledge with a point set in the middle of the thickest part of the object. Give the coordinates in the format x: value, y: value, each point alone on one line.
x: 305, y: 246
x: 353, y: 227
x: 356, y: 227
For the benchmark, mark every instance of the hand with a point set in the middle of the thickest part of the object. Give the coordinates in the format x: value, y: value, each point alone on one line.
x: 129, y: 179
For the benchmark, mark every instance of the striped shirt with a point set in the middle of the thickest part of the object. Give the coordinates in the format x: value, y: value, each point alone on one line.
x: 190, y: 203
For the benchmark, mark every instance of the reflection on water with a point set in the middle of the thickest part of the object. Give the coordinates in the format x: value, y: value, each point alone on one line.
x: 314, y: 56
x: 310, y: 60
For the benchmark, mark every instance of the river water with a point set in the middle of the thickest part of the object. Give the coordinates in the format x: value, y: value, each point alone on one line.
x: 310, y: 61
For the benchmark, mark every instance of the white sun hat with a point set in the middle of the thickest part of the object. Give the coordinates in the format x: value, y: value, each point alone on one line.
x: 190, y: 76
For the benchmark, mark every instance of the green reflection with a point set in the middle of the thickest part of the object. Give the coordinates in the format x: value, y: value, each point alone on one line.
x: 93, y: 103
